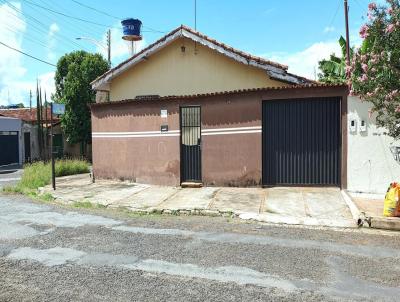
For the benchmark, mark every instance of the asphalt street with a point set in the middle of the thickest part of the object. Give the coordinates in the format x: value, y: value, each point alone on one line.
x: 9, y: 175
x: 55, y: 253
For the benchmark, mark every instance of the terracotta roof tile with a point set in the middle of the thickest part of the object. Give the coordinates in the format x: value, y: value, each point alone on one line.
x: 25, y: 114
x: 232, y: 92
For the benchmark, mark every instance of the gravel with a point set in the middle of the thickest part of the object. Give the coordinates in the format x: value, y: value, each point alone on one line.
x: 56, y: 253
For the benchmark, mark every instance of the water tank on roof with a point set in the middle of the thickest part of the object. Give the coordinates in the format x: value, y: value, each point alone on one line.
x: 131, y: 29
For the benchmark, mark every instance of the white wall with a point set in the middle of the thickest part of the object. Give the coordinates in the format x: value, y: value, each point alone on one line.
x: 371, y: 164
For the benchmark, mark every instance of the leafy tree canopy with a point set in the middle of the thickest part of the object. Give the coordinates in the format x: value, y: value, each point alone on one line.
x: 333, y: 70
x: 75, y: 72
x: 375, y: 67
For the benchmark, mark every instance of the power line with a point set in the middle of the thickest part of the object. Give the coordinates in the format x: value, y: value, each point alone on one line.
x: 86, y: 29
x: 41, y: 30
x: 35, y: 41
x: 28, y: 55
x: 336, y: 12
x: 96, y: 10
x: 115, y: 17
x: 65, y: 15
x: 66, y: 24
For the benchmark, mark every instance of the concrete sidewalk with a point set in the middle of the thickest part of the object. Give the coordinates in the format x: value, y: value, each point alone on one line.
x: 371, y: 207
x: 306, y: 206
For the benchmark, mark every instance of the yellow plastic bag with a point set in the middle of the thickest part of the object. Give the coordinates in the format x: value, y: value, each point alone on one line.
x: 391, y: 206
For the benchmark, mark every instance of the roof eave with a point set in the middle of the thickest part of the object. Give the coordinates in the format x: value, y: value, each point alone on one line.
x: 279, y: 73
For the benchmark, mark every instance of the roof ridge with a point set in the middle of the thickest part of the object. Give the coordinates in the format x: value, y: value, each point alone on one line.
x: 233, y: 49
x: 182, y: 27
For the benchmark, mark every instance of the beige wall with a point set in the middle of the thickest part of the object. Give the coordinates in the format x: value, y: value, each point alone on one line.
x: 173, y: 72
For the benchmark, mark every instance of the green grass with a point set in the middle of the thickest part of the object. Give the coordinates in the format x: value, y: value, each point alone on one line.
x: 38, y: 174
x: 87, y: 205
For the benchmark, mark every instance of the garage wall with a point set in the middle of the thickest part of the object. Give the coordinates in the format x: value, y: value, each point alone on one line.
x: 371, y: 164
x: 13, y: 124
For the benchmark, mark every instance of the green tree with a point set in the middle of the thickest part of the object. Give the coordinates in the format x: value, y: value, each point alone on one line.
x: 334, y: 70
x: 75, y: 72
x: 375, y: 68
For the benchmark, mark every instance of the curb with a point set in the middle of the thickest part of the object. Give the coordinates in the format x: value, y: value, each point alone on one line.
x: 355, y: 212
x: 383, y: 223
x: 182, y: 212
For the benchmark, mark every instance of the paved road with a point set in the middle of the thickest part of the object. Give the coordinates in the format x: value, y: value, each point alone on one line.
x: 9, y: 175
x: 60, y: 254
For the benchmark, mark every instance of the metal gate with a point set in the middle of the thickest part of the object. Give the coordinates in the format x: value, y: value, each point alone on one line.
x: 190, y: 127
x: 9, y: 151
x: 301, y: 142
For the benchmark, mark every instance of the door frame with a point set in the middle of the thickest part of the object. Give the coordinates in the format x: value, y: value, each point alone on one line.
x: 343, y: 110
x: 27, y: 158
x: 180, y: 145
x: 19, y: 146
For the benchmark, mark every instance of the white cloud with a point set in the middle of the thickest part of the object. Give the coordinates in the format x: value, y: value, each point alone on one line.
x: 120, y: 49
x: 305, y: 62
x: 53, y: 29
x: 11, y: 69
x: 14, y: 87
x: 329, y: 29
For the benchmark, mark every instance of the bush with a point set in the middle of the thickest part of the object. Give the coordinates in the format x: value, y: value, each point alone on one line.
x: 70, y: 167
x: 38, y: 174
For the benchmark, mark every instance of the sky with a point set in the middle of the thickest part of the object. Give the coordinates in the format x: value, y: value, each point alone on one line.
x: 297, y: 33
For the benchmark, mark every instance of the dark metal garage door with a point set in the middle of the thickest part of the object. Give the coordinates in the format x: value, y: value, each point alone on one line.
x: 301, y: 142
x: 9, y: 153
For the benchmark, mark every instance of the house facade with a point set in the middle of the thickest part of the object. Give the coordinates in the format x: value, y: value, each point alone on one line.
x: 191, y: 109
x: 30, y: 135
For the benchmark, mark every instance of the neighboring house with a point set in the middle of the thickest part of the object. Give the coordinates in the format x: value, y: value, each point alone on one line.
x: 29, y: 130
x: 11, y: 141
x: 190, y: 109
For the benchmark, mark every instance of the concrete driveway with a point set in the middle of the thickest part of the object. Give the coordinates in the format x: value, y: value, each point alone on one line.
x: 307, y: 206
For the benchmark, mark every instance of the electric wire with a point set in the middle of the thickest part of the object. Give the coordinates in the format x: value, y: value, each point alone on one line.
x: 61, y: 38
x: 66, y: 15
x: 66, y: 24
x: 35, y: 41
x: 335, y: 14
x: 88, y: 29
x: 28, y: 55
x: 115, y: 17
x: 96, y: 10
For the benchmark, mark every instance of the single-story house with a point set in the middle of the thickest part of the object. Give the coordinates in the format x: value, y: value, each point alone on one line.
x: 188, y: 108
x: 30, y: 148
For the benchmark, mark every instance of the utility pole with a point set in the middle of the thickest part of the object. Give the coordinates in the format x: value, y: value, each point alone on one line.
x: 30, y: 100
x: 109, y: 47
x: 53, y: 169
x: 346, y: 16
x: 195, y: 15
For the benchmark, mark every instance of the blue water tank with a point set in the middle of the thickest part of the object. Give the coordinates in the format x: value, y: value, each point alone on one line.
x: 131, y: 29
